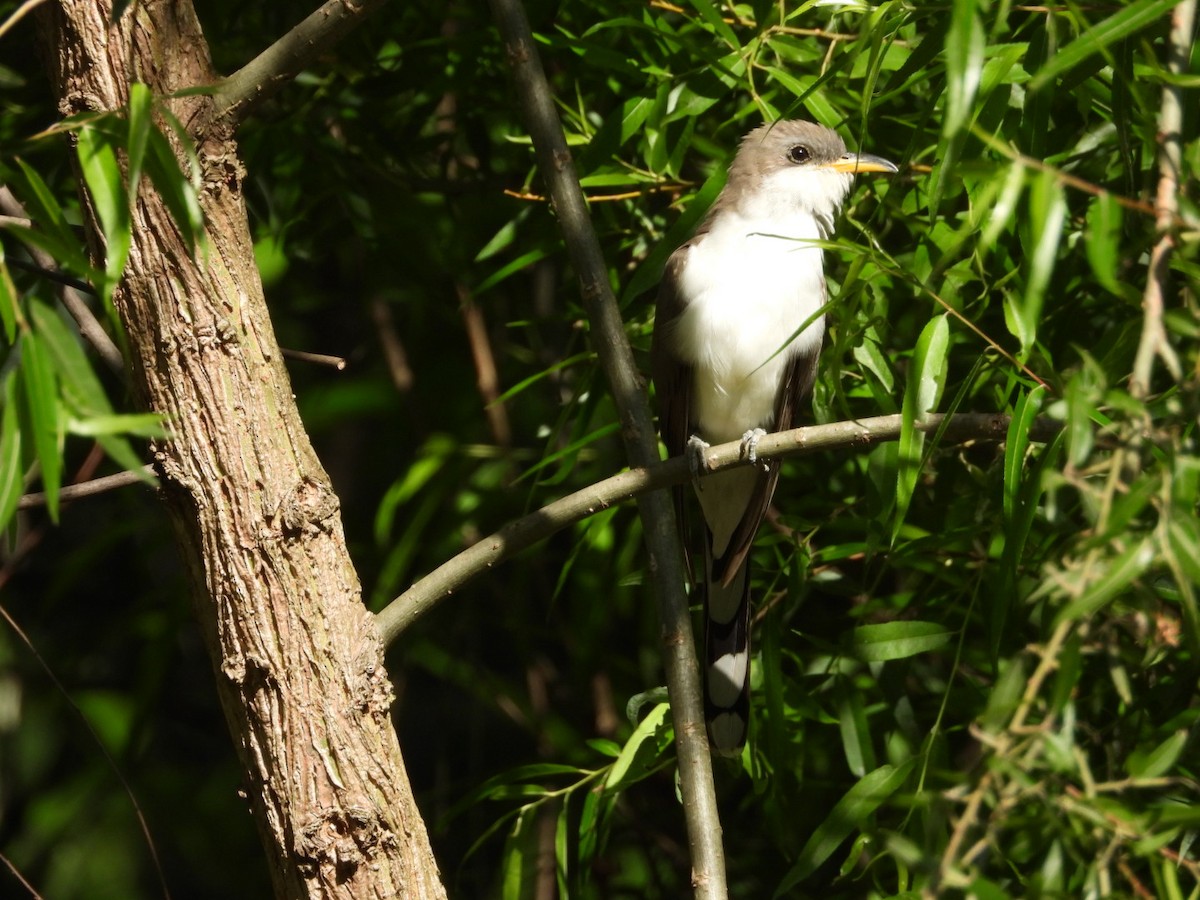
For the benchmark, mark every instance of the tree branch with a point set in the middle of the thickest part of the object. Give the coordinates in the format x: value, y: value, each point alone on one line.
x: 1153, y: 341
x: 665, y: 562
x: 261, y: 78
x: 523, y: 533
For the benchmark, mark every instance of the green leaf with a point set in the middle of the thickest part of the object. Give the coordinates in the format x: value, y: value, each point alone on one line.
x: 1015, y: 447
x: 641, y: 751
x: 1160, y: 760
x: 41, y: 406
x: 1005, y: 695
x: 177, y: 189
x: 521, y: 857
x: 102, y: 173
x: 898, y: 640
x: 11, y: 483
x: 52, y: 234
x: 1103, y: 237
x: 148, y: 425
x: 849, y: 813
x: 10, y: 305
x: 1047, y: 212
x: 964, y: 65
x: 1134, y: 17
x: 852, y: 724
x: 141, y: 123
x: 926, y: 381
x: 81, y: 389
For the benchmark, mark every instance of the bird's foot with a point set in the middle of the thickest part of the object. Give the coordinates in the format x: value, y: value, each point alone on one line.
x: 697, y: 461
x: 750, y: 443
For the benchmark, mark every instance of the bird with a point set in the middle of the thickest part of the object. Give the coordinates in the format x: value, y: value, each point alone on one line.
x: 738, y: 330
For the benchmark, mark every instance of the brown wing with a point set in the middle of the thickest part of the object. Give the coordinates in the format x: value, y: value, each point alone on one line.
x: 672, y: 376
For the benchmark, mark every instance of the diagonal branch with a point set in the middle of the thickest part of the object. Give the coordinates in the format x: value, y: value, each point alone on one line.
x: 261, y: 78
x: 523, y: 533
x: 665, y: 561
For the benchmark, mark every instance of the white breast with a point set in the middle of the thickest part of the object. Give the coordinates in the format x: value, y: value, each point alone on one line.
x: 751, y: 283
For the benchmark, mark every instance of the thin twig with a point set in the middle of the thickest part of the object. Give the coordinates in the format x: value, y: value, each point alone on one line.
x: 1153, y: 341
x: 604, y: 198
x: 319, y: 359
x: 82, y: 489
x: 21, y: 11
x: 665, y: 562
x: 487, y: 378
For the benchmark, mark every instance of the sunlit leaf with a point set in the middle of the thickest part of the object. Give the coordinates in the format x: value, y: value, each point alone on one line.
x: 640, y: 751
x: 964, y: 64
x: 11, y: 484
x: 40, y: 396
x: 1158, y: 761
x: 898, y: 640
x: 98, y: 161
x: 926, y: 381
x: 141, y: 123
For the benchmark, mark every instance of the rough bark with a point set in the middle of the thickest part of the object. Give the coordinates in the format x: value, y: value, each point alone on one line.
x: 298, y: 660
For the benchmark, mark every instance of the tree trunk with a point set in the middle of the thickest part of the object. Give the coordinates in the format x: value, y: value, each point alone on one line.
x: 298, y: 661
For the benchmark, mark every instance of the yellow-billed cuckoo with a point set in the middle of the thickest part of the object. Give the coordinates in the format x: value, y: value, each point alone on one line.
x: 730, y: 359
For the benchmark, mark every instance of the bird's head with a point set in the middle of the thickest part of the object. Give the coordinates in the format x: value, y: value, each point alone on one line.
x: 793, y: 165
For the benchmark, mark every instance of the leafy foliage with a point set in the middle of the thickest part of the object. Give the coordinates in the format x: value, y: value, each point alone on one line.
x: 977, y: 665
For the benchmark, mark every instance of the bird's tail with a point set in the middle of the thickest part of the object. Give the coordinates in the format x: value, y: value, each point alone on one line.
x: 727, y: 659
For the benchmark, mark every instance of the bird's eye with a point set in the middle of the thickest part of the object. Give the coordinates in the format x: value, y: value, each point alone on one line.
x: 798, y: 153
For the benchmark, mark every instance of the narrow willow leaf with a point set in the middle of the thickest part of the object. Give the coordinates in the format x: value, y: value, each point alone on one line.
x: 141, y: 123
x: 898, y: 640
x: 1005, y: 695
x: 852, y: 724
x: 640, y: 751
x: 1015, y: 446
x: 849, y: 813
x: 964, y: 64
x: 10, y: 306
x: 11, y: 484
x: 80, y: 387
x: 102, y: 173
x: 1102, y: 240
x: 53, y: 234
x: 176, y: 189
x: 41, y: 405
x: 562, y: 847
x: 148, y: 425
x: 1159, y: 761
x: 520, y: 857
x: 1002, y: 213
x: 1047, y: 212
x: 926, y: 381
x: 1132, y: 18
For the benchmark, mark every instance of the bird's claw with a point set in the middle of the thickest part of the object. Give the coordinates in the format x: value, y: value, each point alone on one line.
x: 697, y: 460
x: 750, y: 443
